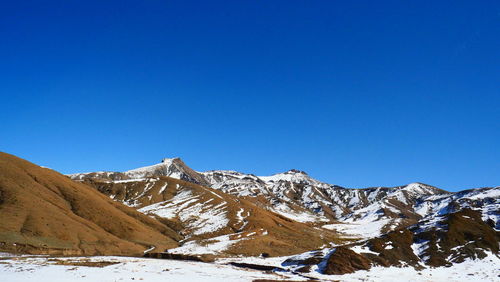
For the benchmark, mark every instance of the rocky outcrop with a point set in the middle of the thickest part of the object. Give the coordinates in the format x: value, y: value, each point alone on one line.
x: 344, y: 260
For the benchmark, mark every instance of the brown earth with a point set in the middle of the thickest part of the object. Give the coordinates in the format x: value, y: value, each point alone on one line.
x: 343, y: 260
x: 44, y: 212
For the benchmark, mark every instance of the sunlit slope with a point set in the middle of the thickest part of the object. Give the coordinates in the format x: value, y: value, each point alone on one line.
x: 42, y: 211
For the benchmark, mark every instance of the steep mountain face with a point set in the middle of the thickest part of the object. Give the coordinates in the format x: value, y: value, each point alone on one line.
x: 213, y: 222
x: 386, y: 208
x: 289, y: 194
x: 42, y: 211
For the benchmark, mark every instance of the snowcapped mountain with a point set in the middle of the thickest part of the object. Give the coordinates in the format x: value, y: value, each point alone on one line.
x: 229, y: 212
x: 298, y: 196
x: 174, y: 168
x: 289, y: 192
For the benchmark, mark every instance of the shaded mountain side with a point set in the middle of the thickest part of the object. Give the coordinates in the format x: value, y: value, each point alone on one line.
x: 44, y: 212
x: 439, y: 241
x: 209, y: 218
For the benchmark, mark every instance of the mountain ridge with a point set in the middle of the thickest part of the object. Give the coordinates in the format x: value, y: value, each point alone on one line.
x: 152, y: 170
x: 298, y: 196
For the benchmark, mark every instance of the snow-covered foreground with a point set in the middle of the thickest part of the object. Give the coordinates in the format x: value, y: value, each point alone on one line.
x: 41, y: 269
x: 26, y: 268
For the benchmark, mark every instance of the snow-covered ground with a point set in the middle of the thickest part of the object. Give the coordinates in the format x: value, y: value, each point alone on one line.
x: 361, y: 230
x: 41, y: 269
x: 33, y: 268
x: 215, y: 245
x: 304, y: 216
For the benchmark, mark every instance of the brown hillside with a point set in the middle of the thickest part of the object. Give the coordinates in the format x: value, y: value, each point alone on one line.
x: 42, y: 211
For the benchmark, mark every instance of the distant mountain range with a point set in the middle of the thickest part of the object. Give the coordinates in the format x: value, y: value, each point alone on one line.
x: 335, y: 230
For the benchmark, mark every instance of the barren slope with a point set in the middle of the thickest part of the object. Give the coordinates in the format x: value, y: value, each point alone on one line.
x: 42, y: 211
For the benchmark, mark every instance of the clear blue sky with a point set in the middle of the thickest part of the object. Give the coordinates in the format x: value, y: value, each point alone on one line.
x: 368, y: 93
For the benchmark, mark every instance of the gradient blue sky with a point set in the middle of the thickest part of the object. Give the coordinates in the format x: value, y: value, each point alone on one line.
x: 368, y: 93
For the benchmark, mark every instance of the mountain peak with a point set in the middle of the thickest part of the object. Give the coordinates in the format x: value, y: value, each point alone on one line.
x: 292, y: 175
x: 170, y: 160
x: 422, y: 188
x: 295, y: 171
x: 171, y: 167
